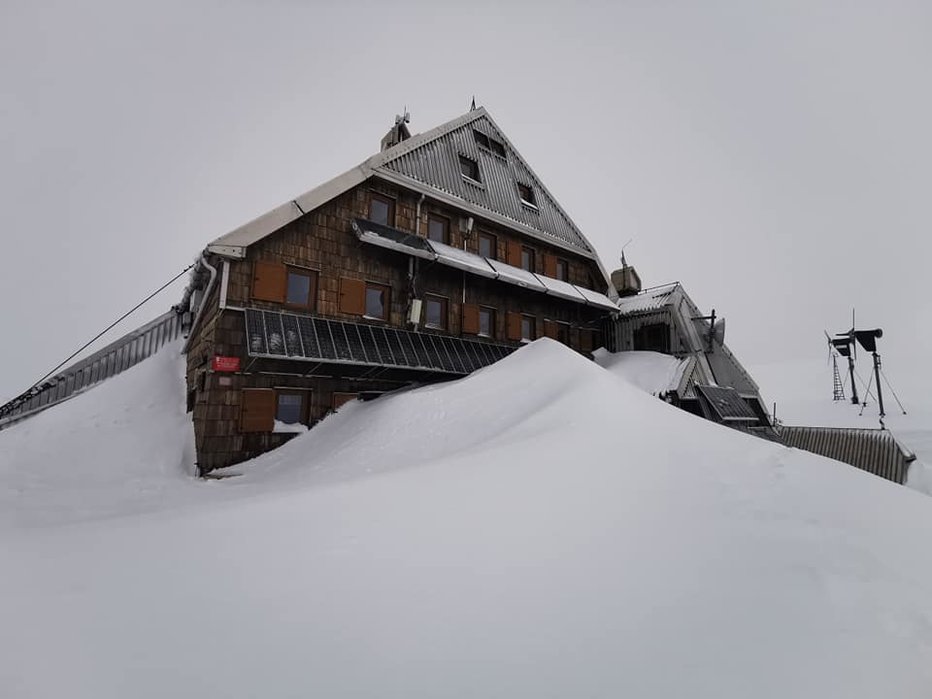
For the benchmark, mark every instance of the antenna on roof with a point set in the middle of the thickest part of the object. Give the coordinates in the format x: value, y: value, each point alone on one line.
x: 472, y: 107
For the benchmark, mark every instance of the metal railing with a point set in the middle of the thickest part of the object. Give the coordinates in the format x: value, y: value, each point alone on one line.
x: 113, y: 359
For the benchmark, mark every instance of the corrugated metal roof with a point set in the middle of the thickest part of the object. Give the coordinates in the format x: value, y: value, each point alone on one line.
x: 872, y: 450
x: 436, y: 164
x: 648, y: 300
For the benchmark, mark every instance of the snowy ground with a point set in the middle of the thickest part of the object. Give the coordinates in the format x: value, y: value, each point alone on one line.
x: 541, y: 528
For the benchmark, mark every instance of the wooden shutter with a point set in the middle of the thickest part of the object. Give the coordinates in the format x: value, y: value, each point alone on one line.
x: 470, y: 318
x: 268, y: 281
x: 550, y: 266
x: 352, y: 296
x: 513, y: 253
x: 585, y: 340
x: 338, y: 399
x: 513, y: 325
x: 550, y: 329
x: 257, y: 410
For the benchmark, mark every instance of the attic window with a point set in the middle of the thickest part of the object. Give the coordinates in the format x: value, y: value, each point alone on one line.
x: 469, y: 168
x: 527, y: 195
x: 488, y: 143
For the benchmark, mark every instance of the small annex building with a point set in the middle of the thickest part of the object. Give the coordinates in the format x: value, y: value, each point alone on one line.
x: 438, y: 255
x: 706, y: 378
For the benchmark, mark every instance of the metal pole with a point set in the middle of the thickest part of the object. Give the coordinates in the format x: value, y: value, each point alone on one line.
x: 854, y: 386
x: 879, y: 390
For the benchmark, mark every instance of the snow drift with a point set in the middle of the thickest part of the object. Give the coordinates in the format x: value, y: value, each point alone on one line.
x: 540, y: 528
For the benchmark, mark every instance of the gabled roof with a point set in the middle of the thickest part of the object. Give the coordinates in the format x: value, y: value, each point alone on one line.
x: 429, y: 163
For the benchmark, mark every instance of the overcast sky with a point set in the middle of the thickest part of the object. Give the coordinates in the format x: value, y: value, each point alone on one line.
x: 775, y: 158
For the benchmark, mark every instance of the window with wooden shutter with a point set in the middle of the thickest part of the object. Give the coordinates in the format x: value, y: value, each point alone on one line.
x: 550, y: 329
x: 257, y: 410
x: 513, y: 325
x: 269, y: 281
x: 470, y: 318
x: 550, y: 266
x: 352, y: 296
x: 513, y: 253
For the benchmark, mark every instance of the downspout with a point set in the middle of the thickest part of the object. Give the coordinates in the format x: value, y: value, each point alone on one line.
x: 200, y: 311
x: 412, y: 262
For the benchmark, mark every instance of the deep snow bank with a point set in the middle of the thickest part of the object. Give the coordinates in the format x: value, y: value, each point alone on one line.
x: 540, y: 528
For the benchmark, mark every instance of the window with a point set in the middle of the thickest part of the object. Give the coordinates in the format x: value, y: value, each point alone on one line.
x: 489, y: 143
x: 563, y: 270
x: 469, y: 168
x: 377, y: 300
x: 301, y: 288
x: 381, y: 210
x: 654, y: 337
x: 528, y: 327
x: 527, y: 195
x: 527, y: 259
x: 438, y: 228
x: 435, y: 312
x: 486, y: 321
x: 488, y: 246
x: 291, y: 408
x: 563, y: 333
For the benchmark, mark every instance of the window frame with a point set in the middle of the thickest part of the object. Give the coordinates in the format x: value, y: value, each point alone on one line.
x: 491, y: 311
x: 474, y: 166
x: 531, y: 200
x: 531, y: 253
x: 314, y: 276
x: 444, y: 312
x: 386, y: 307
x: 493, y: 239
x: 565, y: 265
x: 304, y: 410
x: 532, y: 320
x: 375, y: 196
x: 445, y: 222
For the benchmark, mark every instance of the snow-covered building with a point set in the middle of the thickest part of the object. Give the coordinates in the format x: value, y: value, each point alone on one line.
x: 438, y: 255
x: 707, y: 379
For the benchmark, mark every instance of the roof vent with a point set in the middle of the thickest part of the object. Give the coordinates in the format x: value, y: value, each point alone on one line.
x: 626, y: 280
x: 398, y: 133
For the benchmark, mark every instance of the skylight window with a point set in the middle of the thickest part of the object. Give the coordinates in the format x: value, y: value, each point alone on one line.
x: 527, y: 195
x: 469, y: 168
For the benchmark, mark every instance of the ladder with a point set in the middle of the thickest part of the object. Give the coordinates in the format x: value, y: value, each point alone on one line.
x: 839, y: 387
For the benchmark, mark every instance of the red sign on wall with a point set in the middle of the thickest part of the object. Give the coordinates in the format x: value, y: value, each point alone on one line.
x: 225, y: 364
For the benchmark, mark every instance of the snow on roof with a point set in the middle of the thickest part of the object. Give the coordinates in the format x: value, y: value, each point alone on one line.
x: 648, y: 300
x: 652, y: 372
x: 405, y: 542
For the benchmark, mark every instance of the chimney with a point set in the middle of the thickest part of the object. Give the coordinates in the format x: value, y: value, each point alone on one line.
x: 398, y: 133
x: 626, y: 280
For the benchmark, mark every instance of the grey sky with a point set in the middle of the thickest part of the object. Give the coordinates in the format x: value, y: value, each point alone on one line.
x: 776, y: 158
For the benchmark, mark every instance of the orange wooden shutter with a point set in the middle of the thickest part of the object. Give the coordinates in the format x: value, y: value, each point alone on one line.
x: 340, y: 398
x: 352, y: 296
x: 268, y: 282
x: 513, y: 325
x: 513, y: 253
x: 257, y: 410
x: 470, y: 318
x: 550, y: 266
x: 550, y: 329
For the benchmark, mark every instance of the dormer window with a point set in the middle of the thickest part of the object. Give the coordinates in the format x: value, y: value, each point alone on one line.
x: 469, y: 168
x: 482, y: 139
x: 527, y: 195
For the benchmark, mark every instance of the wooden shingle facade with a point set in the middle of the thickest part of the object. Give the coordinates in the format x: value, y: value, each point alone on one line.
x: 381, y: 279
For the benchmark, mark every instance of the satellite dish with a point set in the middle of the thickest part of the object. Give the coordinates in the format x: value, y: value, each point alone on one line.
x: 718, y: 331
